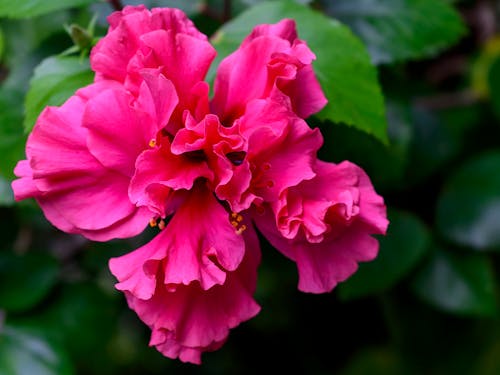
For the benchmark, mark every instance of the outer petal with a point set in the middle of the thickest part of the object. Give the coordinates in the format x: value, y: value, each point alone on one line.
x: 110, y: 58
x: 277, y: 63
x: 199, y: 243
x: 188, y: 320
x: 119, y: 128
x: 336, y: 214
x: 77, y: 193
x: 164, y: 40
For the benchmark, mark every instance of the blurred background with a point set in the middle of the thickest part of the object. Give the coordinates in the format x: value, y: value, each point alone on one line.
x: 427, y: 305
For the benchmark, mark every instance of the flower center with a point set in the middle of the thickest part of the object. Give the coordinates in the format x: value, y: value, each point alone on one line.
x: 236, y: 157
x: 237, y: 223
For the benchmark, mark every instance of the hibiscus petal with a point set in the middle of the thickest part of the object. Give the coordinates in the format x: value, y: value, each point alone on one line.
x: 77, y: 193
x: 160, y: 167
x: 278, y: 63
x: 189, y: 320
x: 232, y: 88
x: 110, y: 58
x: 117, y: 133
x: 328, y: 242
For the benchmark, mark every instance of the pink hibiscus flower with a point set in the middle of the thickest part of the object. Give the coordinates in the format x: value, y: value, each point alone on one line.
x: 145, y: 144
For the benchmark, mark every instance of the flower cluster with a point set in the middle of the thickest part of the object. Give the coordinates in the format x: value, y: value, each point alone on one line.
x: 145, y: 145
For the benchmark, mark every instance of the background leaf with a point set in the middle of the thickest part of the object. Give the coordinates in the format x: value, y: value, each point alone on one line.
x: 400, y: 29
x: 23, y: 352
x: 400, y: 251
x: 54, y: 81
x: 460, y: 283
x: 494, y: 86
x: 32, y: 8
x: 12, y: 137
x: 25, y: 279
x: 343, y: 66
x: 468, y: 209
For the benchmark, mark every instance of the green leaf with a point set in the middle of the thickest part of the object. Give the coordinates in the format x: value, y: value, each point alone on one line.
x: 25, y: 279
x: 6, y: 194
x: 343, y: 65
x: 385, y: 164
x: 459, y: 283
x: 82, y: 310
x: 2, y: 44
x: 438, y: 138
x: 494, y: 86
x: 54, y: 81
x: 468, y: 209
x: 23, y: 352
x: 400, y: 251
x: 32, y: 8
x: 374, y: 361
x: 400, y: 29
x: 12, y: 137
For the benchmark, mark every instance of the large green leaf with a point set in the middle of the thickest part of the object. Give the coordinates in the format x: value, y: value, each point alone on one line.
x: 32, y: 8
x: 12, y: 137
x: 25, y: 353
x: 468, y: 209
x: 385, y: 164
x: 459, y: 283
x: 400, y: 29
x: 54, y: 81
x: 25, y: 279
x: 406, y: 242
x: 343, y: 65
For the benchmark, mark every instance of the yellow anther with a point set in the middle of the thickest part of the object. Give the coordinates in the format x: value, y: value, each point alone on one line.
x: 241, y: 229
x: 161, y: 225
x: 152, y: 222
x: 152, y: 143
x: 236, y: 222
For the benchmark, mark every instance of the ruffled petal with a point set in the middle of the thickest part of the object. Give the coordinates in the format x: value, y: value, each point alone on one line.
x: 117, y: 132
x: 199, y: 243
x: 160, y: 167
x: 280, y: 153
x: 326, y: 225
x: 188, y: 320
x: 278, y: 63
x: 111, y: 57
x: 77, y: 193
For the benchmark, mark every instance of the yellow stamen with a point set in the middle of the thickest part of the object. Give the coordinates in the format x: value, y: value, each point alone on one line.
x: 241, y: 229
x: 152, y: 143
x: 152, y: 222
x: 161, y: 225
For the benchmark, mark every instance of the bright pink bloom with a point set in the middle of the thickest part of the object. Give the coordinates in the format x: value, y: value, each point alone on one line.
x: 325, y: 224
x: 144, y: 144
